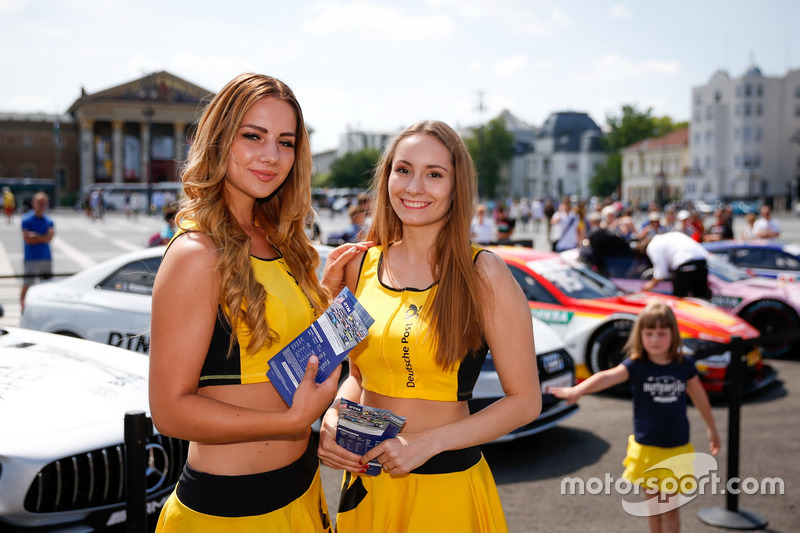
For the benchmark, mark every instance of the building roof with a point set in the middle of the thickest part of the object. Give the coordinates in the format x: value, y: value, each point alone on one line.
x: 677, y: 138
x: 567, y: 128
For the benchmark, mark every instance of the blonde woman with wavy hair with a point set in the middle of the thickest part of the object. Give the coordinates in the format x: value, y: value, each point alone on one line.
x: 439, y: 303
x: 238, y: 283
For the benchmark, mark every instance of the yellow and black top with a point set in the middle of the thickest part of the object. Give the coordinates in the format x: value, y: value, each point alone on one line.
x: 289, y: 312
x: 396, y: 358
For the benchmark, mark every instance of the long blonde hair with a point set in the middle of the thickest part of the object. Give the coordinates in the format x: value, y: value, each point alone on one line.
x: 242, y: 297
x: 656, y: 314
x: 455, y: 314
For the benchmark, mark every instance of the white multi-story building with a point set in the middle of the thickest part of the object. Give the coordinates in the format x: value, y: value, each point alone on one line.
x: 744, y: 138
x: 565, y: 155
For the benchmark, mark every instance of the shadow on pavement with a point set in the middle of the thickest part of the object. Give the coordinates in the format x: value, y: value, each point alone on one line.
x: 550, y: 454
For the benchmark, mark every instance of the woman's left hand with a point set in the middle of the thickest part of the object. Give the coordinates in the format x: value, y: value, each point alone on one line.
x: 401, y: 454
x: 333, y: 275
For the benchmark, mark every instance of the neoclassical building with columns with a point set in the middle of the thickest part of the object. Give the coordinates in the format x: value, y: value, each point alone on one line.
x: 137, y: 132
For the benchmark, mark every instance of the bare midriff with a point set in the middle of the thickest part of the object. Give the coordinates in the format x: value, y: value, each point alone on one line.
x: 251, y: 457
x: 420, y: 414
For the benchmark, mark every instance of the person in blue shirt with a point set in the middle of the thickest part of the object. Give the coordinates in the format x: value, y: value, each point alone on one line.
x: 37, y: 232
x: 661, y: 378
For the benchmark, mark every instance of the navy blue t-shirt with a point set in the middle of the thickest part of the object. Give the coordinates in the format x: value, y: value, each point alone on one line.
x: 659, y: 401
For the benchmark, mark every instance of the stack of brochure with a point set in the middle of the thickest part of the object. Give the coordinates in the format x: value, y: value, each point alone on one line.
x: 331, y: 337
x: 361, y: 428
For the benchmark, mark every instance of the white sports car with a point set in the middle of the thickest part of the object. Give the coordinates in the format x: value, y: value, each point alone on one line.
x: 62, y: 452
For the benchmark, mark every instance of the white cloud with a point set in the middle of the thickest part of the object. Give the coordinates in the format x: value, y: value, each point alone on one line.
x: 556, y: 21
x: 366, y: 22
x: 614, y: 68
x: 510, y: 65
x: 12, y: 6
x: 619, y: 11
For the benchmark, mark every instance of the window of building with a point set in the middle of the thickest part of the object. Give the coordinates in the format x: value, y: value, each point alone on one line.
x: 698, y: 98
x: 709, y: 112
x: 709, y: 136
x: 698, y: 115
x: 797, y: 91
x: 747, y: 90
x: 718, y: 97
x: 759, y: 90
x: 759, y: 133
x: 697, y: 138
x: 747, y: 110
x: 757, y: 161
x: 28, y: 170
x: 708, y: 162
x: 759, y: 109
x: 747, y: 134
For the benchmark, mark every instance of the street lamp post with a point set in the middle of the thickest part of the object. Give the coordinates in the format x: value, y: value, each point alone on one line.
x: 148, y: 113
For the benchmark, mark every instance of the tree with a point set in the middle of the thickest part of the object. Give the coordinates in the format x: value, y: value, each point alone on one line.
x: 354, y: 169
x: 624, y: 130
x: 490, y: 146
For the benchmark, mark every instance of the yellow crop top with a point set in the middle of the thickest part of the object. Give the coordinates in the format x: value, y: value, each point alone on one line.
x: 289, y: 312
x: 395, y: 359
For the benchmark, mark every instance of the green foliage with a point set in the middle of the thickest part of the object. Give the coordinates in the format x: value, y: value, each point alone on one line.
x: 626, y: 129
x: 607, y: 176
x: 490, y: 146
x: 353, y: 169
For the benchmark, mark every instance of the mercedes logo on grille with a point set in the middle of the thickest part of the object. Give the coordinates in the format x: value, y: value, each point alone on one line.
x: 157, y: 467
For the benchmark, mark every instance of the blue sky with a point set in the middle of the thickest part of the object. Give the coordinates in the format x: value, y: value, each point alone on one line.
x: 381, y: 65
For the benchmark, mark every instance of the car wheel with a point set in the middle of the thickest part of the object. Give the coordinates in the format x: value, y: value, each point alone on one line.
x: 772, y: 317
x: 605, y: 348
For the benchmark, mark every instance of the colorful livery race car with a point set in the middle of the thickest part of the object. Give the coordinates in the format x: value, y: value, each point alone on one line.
x: 595, y: 318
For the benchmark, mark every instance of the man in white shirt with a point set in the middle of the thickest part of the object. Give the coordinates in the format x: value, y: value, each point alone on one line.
x: 482, y: 229
x: 766, y: 227
x: 674, y: 254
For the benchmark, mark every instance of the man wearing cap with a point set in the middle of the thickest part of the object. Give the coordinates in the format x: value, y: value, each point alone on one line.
x: 652, y: 228
x: 674, y: 254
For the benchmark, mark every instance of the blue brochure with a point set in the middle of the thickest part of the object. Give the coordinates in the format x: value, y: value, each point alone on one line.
x: 361, y: 428
x: 331, y: 337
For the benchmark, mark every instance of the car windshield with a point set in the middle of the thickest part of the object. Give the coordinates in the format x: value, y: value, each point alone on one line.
x: 575, y: 282
x: 721, y: 268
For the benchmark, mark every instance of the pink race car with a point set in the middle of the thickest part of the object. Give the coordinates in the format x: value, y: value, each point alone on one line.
x: 771, y: 306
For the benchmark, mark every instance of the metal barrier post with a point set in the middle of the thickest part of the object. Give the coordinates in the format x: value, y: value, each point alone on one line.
x: 730, y: 516
x: 136, y: 433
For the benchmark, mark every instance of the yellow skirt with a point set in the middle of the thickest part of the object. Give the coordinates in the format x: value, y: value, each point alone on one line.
x: 664, y: 469
x: 287, y: 500
x: 453, y: 491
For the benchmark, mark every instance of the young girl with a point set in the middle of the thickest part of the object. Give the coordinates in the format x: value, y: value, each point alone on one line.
x: 438, y: 302
x: 661, y: 378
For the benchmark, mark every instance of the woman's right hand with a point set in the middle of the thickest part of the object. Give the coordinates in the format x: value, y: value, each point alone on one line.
x: 312, y: 398
x: 331, y: 454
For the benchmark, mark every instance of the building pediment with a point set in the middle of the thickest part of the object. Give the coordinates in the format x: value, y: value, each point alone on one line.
x: 156, y: 88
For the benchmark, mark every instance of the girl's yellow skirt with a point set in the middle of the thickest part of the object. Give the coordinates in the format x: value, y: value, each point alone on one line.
x: 453, y: 491
x: 287, y: 500
x: 670, y: 477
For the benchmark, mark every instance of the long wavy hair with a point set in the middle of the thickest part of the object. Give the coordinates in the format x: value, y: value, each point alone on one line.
x: 242, y: 297
x: 656, y: 314
x: 455, y: 313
